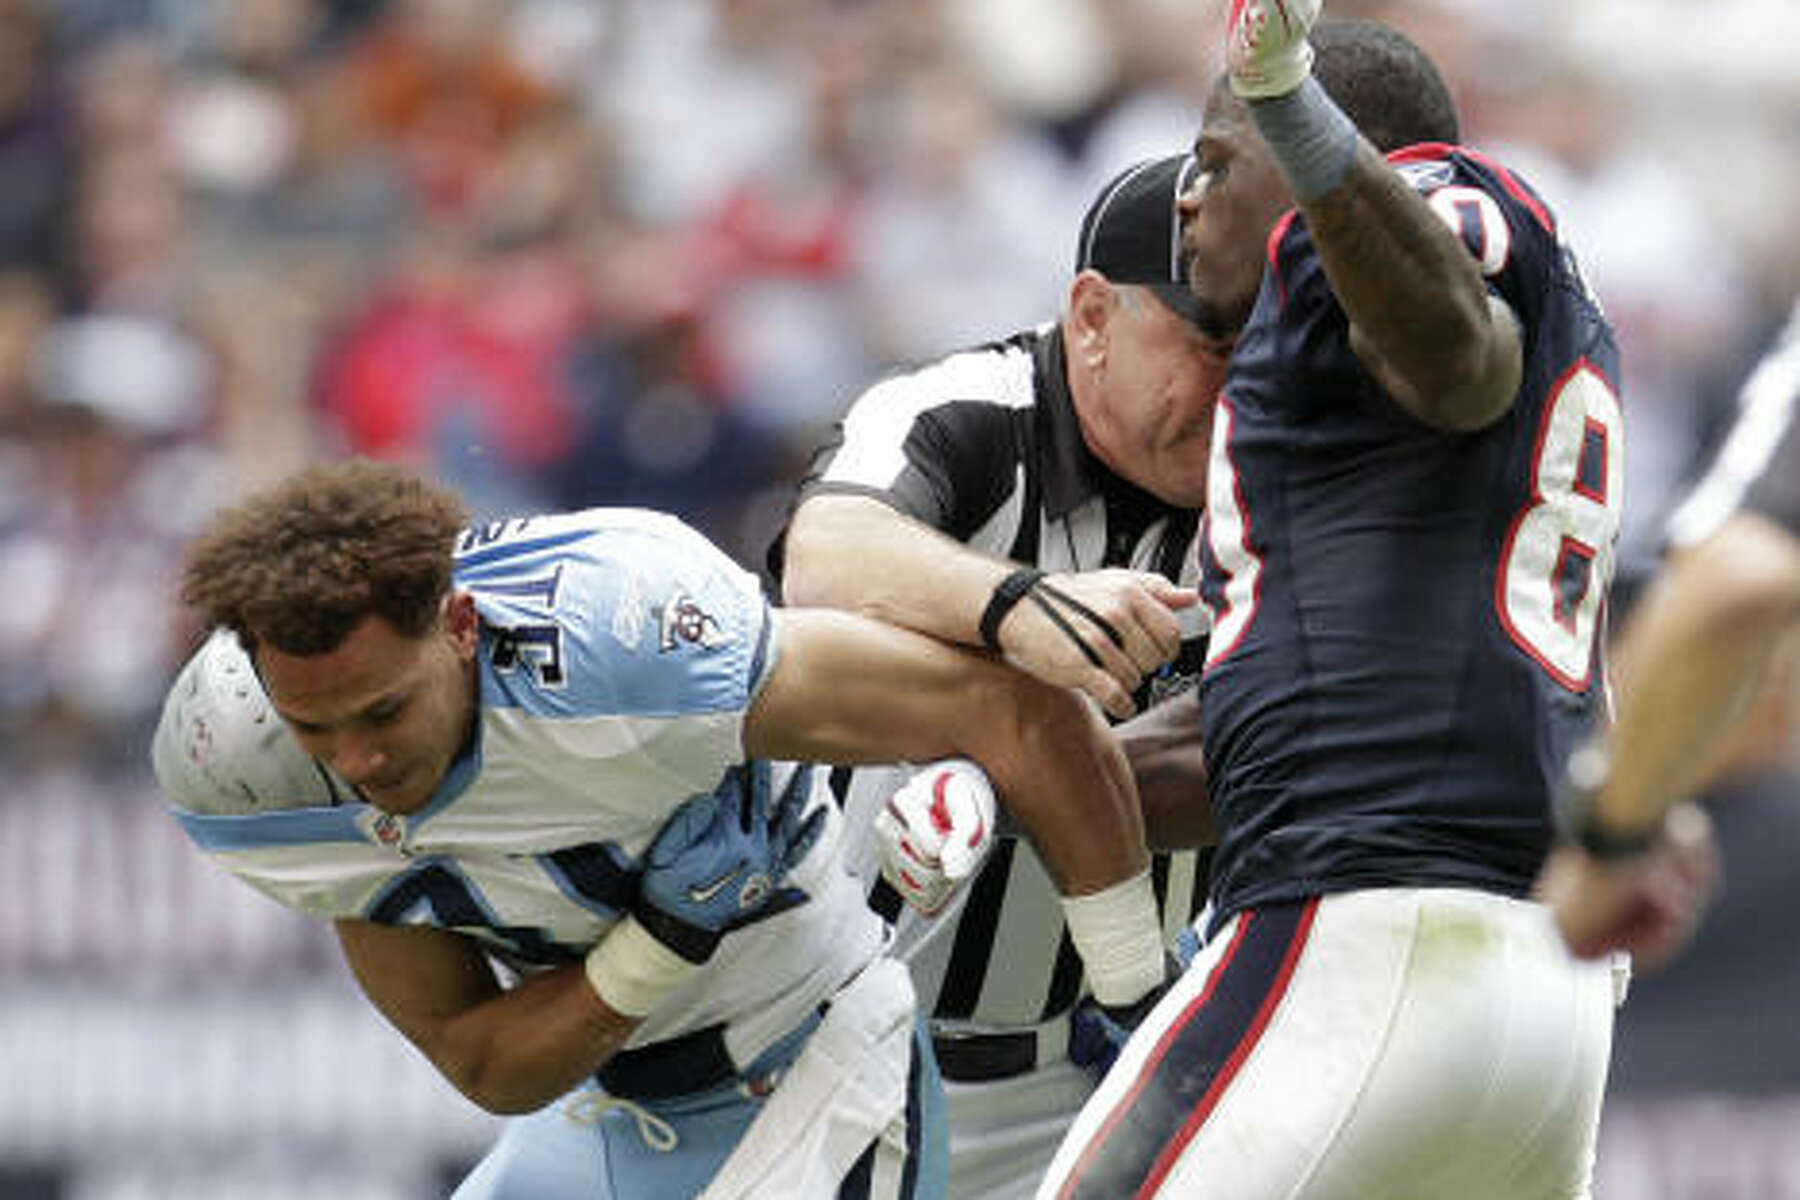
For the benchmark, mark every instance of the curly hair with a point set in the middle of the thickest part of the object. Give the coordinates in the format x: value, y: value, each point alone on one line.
x: 301, y: 564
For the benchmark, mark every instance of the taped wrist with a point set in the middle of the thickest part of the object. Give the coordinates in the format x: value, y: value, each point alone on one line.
x: 1312, y: 140
x: 1132, y: 1015
x: 1007, y: 594
x: 632, y: 971
x: 1119, y: 937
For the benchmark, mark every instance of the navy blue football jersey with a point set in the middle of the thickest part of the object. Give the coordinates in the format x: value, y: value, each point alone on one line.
x: 1405, y: 621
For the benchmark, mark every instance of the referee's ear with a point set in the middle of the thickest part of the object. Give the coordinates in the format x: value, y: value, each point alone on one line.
x: 1093, y: 302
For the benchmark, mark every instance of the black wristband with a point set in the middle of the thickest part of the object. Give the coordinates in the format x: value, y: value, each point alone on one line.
x: 1007, y: 594
x: 689, y: 941
x: 1605, y: 845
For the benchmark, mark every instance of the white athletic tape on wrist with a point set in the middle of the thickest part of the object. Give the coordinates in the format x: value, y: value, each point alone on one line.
x: 632, y: 971
x: 1119, y: 937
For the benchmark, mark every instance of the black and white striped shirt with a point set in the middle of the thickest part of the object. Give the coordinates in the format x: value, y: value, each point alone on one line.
x: 984, y: 445
x: 1758, y: 466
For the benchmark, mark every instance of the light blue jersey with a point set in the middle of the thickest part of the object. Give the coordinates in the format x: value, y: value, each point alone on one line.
x: 619, y: 652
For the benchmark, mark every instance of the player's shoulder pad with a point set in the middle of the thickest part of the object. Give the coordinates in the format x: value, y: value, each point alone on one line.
x: 503, y: 554
x: 221, y: 749
x: 1432, y: 168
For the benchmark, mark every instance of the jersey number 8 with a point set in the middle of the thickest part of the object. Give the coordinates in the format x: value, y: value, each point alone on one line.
x: 1558, y: 557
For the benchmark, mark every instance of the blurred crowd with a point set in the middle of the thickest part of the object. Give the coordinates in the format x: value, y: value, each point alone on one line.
x: 564, y: 253
x: 573, y: 252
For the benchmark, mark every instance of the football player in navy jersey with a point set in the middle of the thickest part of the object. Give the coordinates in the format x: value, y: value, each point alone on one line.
x: 1693, y: 655
x: 1411, y: 513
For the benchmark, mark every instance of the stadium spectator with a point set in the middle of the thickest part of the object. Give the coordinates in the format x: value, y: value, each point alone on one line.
x: 438, y: 83
x: 36, y: 146
x: 91, y: 517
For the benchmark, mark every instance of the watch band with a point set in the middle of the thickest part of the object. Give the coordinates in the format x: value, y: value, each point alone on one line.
x: 1577, y: 818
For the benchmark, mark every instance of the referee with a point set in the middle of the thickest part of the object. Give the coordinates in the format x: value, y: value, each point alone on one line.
x: 1040, y: 496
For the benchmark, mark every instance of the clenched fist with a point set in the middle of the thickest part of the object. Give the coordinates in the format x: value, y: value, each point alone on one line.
x: 1266, y: 53
x: 935, y: 831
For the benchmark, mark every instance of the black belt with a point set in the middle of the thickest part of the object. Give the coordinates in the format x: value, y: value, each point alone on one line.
x: 691, y: 1062
x: 978, y: 1057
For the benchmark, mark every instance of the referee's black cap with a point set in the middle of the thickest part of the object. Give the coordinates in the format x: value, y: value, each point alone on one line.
x: 1132, y: 232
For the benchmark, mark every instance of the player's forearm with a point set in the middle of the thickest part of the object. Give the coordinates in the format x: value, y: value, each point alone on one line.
x: 847, y: 689
x: 525, y: 1047
x: 510, y: 1050
x: 856, y: 553
x: 1163, y: 747
x: 1064, y: 777
x: 1419, y: 312
x: 1066, y: 780
x: 1693, y: 656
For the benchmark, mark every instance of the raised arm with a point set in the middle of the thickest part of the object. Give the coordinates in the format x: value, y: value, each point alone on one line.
x: 1421, y: 319
x: 857, y: 553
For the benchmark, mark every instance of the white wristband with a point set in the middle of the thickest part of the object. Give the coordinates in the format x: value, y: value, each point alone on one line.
x: 1119, y: 937
x: 631, y: 971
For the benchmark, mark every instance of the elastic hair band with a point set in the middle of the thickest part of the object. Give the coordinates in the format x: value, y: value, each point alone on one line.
x: 1007, y: 594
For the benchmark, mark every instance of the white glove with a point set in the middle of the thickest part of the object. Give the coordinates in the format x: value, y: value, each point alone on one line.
x: 935, y: 831
x: 1266, y: 52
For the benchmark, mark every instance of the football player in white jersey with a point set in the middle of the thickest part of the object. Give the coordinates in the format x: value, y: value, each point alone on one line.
x: 539, y: 775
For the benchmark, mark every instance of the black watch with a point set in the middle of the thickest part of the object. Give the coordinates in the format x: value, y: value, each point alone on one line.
x: 1577, y: 821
